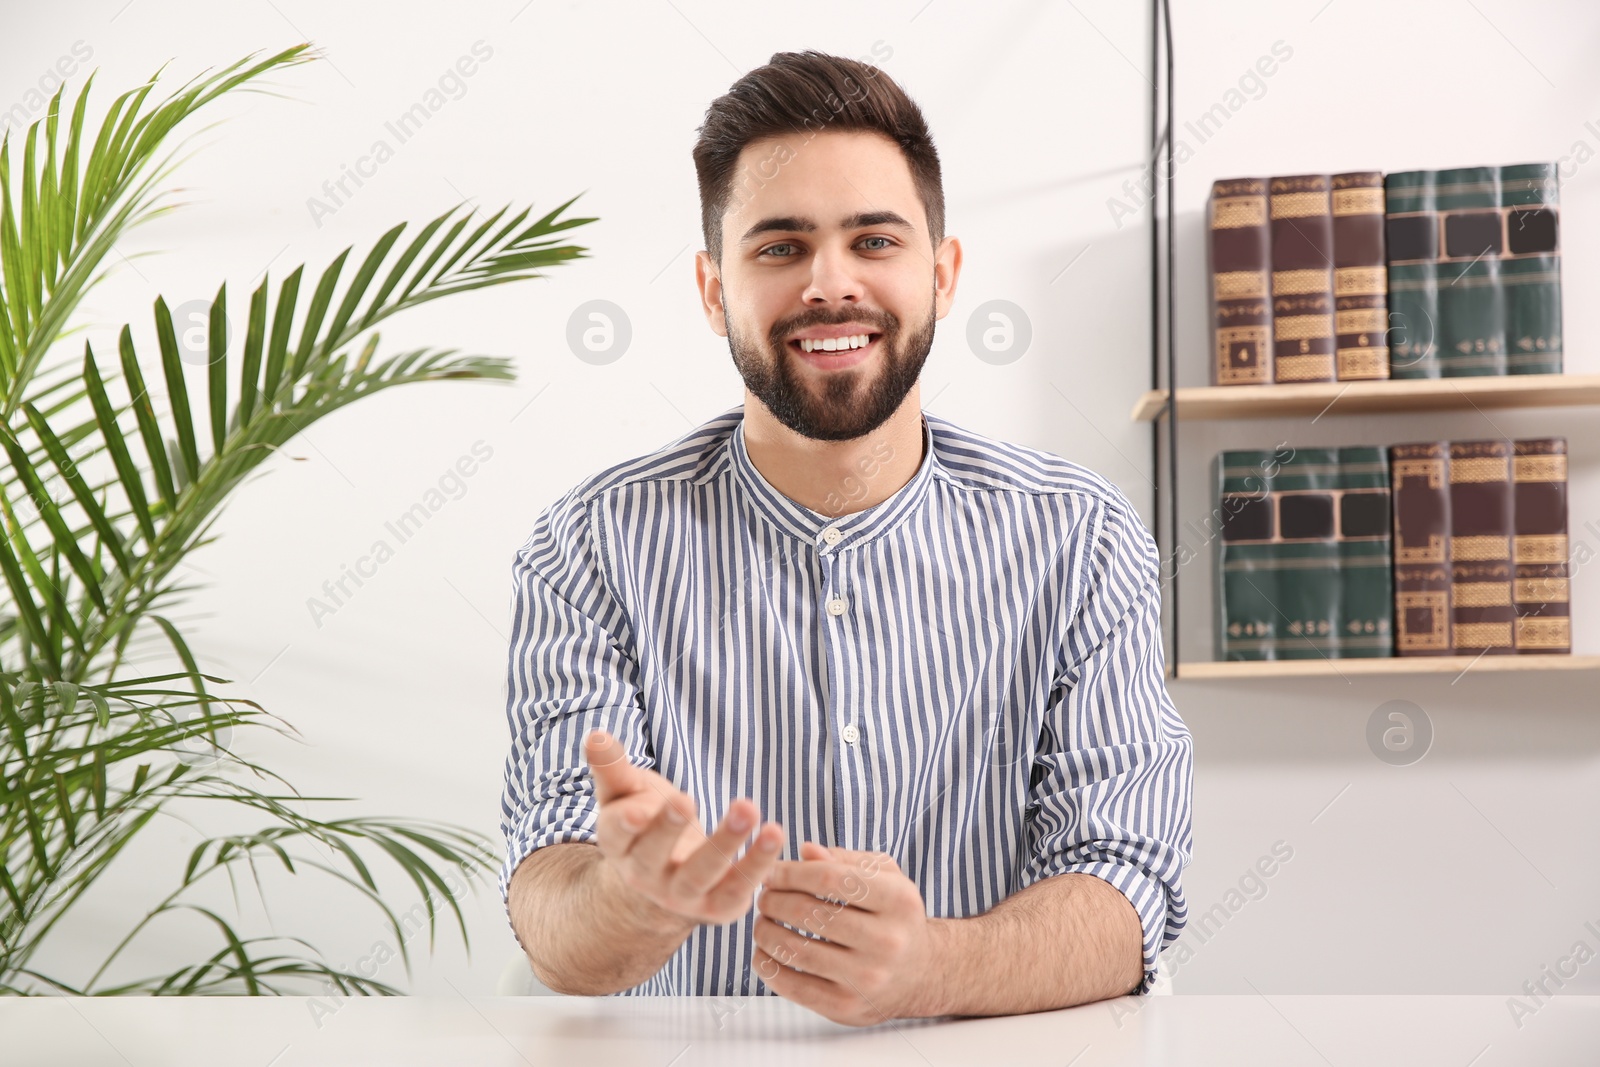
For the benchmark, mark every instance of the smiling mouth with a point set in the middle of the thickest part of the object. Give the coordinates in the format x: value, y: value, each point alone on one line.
x: 843, y: 357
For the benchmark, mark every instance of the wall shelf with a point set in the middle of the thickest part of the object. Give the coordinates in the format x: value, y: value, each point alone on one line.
x: 1334, y: 668
x: 1362, y: 398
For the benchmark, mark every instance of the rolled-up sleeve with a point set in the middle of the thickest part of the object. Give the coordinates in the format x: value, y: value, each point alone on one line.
x: 1112, y: 784
x: 571, y: 670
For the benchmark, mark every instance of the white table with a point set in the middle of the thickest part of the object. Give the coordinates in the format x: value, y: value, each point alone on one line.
x: 679, y: 1032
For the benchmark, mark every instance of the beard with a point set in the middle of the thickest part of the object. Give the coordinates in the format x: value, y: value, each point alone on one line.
x: 843, y: 404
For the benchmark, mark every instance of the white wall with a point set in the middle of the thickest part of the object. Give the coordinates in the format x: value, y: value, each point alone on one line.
x: 1466, y: 872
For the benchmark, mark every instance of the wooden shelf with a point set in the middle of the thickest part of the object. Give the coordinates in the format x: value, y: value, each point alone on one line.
x: 1361, y: 398
x: 1334, y: 668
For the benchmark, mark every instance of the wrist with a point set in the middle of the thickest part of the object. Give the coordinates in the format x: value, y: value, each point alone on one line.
x: 944, y: 940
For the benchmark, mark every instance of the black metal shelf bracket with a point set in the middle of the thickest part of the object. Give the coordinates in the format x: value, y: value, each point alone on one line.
x: 1163, y: 374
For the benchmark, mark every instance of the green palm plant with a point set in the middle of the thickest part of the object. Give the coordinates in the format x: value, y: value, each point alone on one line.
x: 102, y: 498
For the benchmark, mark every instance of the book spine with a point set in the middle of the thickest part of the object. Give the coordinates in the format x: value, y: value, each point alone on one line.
x: 1360, y: 278
x: 1472, y: 315
x: 1247, y: 618
x: 1306, y: 553
x: 1539, y: 550
x: 1530, y: 270
x: 1240, y: 263
x: 1419, y: 479
x: 1482, y: 524
x: 1302, y: 279
x: 1411, y: 240
x: 1366, y: 595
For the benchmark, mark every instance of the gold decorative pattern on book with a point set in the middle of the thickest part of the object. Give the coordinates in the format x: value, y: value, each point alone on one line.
x: 1550, y: 468
x: 1360, y: 320
x: 1302, y: 327
x: 1437, y: 604
x: 1360, y: 281
x: 1358, y: 201
x: 1539, y: 632
x: 1304, y: 368
x: 1483, y: 634
x: 1479, y: 469
x: 1299, y: 205
x: 1541, y: 590
x: 1239, y: 350
x: 1480, y: 547
x: 1481, y: 594
x: 1359, y: 363
x: 1240, y: 285
x: 1432, y: 552
x: 1295, y: 282
x: 1540, y: 548
x: 1410, y: 468
x: 1237, y: 212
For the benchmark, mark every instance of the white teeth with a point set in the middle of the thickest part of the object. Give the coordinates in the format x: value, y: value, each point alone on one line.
x: 835, y: 344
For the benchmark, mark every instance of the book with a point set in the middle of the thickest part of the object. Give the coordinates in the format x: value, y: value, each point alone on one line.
x: 1482, y: 524
x: 1366, y: 597
x: 1305, y: 554
x: 1302, y: 278
x: 1419, y: 479
x: 1360, y: 277
x: 1472, y: 317
x: 1240, y: 261
x: 1530, y: 270
x: 1246, y: 585
x: 1541, y: 574
x: 1411, y: 236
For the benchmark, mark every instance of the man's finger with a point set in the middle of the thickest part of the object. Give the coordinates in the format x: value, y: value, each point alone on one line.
x: 739, y: 884
x: 620, y: 821
x: 715, y: 855
x: 613, y: 775
x: 850, y: 883
x: 652, y: 849
x: 842, y: 924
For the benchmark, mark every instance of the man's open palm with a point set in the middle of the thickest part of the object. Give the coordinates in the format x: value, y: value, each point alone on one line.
x: 649, y: 830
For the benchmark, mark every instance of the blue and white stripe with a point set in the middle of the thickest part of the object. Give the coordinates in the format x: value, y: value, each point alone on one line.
x: 997, y: 652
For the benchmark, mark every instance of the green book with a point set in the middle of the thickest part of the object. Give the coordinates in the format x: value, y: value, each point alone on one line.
x: 1472, y: 311
x: 1530, y: 270
x: 1366, y: 594
x: 1246, y: 585
x: 1305, y: 554
x: 1411, y: 238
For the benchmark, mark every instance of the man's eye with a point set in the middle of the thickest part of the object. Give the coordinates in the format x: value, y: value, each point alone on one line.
x: 885, y: 239
x: 768, y: 250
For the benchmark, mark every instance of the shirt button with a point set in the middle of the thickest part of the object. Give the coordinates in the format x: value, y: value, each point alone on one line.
x: 850, y: 734
x: 832, y: 535
x: 836, y: 606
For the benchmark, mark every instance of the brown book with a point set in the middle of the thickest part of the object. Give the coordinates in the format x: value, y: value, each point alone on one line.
x: 1482, y: 523
x: 1302, y: 278
x: 1360, y: 277
x: 1539, y: 550
x: 1419, y: 476
x: 1240, y: 254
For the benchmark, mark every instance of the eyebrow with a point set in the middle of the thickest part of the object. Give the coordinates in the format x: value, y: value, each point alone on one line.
x: 801, y: 224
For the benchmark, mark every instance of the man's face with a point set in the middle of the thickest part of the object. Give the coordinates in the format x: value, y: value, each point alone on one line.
x: 825, y: 237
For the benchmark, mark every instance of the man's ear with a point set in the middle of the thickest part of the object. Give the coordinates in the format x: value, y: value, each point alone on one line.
x: 708, y: 281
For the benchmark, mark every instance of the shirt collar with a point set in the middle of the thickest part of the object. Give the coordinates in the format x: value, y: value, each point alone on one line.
x: 856, y: 528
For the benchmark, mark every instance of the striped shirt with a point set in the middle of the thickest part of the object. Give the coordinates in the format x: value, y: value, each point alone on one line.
x: 967, y: 675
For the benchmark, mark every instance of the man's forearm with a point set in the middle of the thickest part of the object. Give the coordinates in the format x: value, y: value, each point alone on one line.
x: 1069, y: 939
x: 586, y: 933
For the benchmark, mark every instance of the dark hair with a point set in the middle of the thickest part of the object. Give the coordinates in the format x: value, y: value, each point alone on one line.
x: 805, y: 93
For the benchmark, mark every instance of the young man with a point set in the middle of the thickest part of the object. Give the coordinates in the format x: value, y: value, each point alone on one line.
x: 923, y: 664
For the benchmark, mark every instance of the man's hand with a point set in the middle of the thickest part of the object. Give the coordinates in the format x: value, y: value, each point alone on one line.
x: 880, y: 956
x: 649, y: 833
